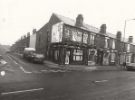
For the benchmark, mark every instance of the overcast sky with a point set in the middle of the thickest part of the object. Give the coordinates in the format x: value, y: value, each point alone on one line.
x: 17, y: 17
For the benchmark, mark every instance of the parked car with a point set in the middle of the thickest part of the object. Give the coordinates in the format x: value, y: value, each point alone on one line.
x: 130, y: 66
x: 8, y: 51
x: 31, y: 55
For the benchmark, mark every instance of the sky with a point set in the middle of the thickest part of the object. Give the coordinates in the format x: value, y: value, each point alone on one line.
x: 18, y: 17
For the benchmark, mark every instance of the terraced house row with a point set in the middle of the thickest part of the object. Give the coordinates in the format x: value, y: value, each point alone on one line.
x: 66, y: 41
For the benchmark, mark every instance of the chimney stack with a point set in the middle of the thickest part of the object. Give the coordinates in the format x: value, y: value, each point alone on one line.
x: 34, y: 31
x: 79, y: 20
x: 28, y: 34
x: 130, y: 39
x: 103, y: 29
x: 118, y: 36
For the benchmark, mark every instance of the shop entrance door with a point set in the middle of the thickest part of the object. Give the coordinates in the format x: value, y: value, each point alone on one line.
x: 67, y: 59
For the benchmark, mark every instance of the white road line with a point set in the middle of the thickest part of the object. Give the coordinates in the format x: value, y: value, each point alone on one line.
x: 44, y: 70
x: 21, y: 91
x: 61, y: 70
x: 37, y: 72
x: 53, y: 71
x: 24, y: 70
x: 10, y: 58
x: 15, y: 62
x: 101, y: 81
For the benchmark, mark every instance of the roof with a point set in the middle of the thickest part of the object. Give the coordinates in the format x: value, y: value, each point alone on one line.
x: 87, y: 27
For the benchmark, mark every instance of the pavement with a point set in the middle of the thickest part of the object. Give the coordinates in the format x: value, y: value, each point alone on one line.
x: 53, y: 65
x: 83, y: 67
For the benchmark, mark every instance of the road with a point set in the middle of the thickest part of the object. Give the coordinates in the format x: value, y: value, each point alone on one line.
x: 27, y: 81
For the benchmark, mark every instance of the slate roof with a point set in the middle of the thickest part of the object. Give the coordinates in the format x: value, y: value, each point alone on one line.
x: 72, y: 22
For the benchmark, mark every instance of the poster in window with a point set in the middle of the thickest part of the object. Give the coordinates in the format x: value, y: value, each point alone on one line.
x: 76, y: 36
x: 57, y: 31
x: 67, y: 32
x: 85, y: 37
x: 79, y: 36
x: 91, y: 37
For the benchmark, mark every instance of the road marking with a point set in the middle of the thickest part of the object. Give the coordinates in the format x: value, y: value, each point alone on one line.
x: 44, y: 70
x: 10, y: 58
x: 24, y: 70
x: 37, y: 72
x: 22, y: 91
x: 53, y: 71
x: 15, y: 62
x: 61, y: 71
x: 100, y: 81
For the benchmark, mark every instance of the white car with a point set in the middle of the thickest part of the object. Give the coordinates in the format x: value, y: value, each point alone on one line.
x: 2, y: 64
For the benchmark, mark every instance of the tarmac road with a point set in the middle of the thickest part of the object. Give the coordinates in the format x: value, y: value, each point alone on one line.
x: 26, y: 81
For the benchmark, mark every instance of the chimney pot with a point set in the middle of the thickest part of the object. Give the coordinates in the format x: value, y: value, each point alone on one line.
x: 130, y: 39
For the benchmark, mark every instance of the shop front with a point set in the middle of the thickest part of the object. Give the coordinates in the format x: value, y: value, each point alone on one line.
x: 106, y: 57
x: 68, y: 54
x: 92, y: 56
x: 113, y: 57
x: 100, y: 54
x: 122, y: 57
x: 128, y: 57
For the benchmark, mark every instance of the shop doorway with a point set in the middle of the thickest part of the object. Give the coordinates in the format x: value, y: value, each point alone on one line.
x: 67, y: 57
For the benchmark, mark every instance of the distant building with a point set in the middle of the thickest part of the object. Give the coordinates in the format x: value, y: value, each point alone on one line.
x: 32, y: 43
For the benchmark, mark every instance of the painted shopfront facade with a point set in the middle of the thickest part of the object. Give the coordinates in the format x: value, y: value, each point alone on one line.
x: 72, y: 45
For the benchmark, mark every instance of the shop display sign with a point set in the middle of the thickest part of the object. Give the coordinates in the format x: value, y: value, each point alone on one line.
x: 57, y: 31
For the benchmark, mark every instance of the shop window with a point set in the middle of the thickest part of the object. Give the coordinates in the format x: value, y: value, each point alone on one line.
x: 78, y: 55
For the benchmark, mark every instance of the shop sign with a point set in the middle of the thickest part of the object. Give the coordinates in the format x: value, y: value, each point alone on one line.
x: 57, y: 31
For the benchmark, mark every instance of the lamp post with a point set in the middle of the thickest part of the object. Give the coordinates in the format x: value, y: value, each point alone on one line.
x: 124, y: 39
x: 125, y: 27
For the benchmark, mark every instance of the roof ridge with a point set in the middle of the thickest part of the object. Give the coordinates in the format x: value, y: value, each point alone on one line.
x: 63, y: 16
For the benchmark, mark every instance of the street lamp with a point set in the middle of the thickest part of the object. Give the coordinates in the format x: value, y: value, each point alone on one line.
x: 124, y: 37
x: 125, y: 27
